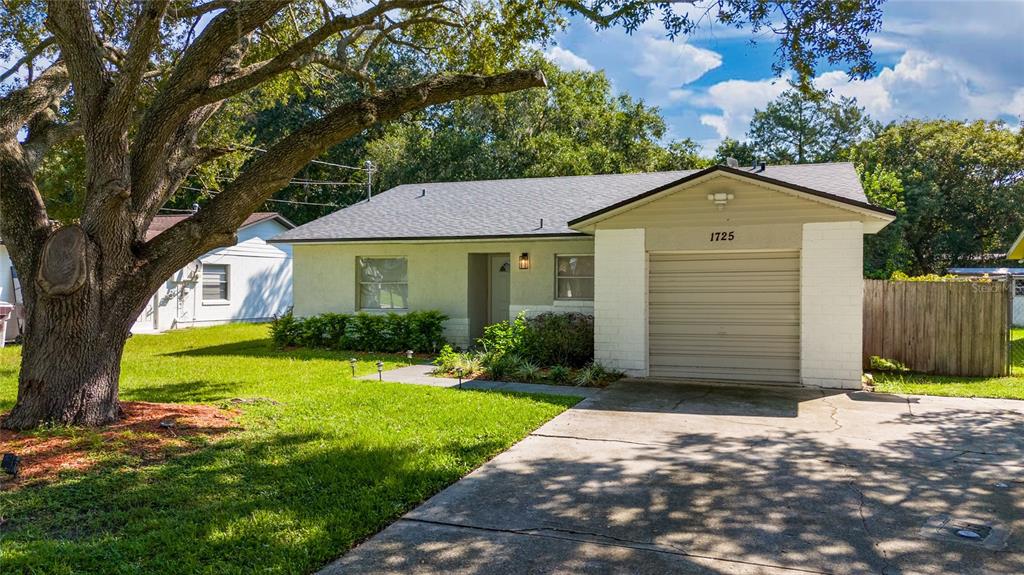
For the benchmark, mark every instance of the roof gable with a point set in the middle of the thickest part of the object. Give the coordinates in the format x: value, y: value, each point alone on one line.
x: 162, y: 223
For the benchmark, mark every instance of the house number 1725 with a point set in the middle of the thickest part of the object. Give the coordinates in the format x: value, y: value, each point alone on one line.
x: 722, y: 236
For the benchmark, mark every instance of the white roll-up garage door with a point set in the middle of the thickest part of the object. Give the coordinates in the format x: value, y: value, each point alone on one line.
x: 725, y: 316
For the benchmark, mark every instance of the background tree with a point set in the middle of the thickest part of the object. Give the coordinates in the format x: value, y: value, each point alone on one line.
x: 742, y: 152
x: 807, y: 126
x: 147, y: 88
x: 958, y: 188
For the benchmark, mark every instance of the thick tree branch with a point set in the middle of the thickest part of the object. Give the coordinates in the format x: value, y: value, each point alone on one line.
x: 144, y: 38
x: 297, y: 55
x: 28, y: 57
x: 82, y: 49
x: 20, y: 106
x: 215, y: 224
x: 24, y: 224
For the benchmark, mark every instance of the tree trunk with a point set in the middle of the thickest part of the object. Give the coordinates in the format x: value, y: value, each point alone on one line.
x: 70, y: 357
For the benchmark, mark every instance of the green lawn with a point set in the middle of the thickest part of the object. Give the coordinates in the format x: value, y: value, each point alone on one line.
x: 333, y: 462
x: 1011, y: 387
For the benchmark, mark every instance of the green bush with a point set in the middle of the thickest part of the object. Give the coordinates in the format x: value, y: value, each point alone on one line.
x: 559, y: 339
x: 392, y: 332
x: 527, y: 372
x: 882, y: 364
x: 559, y: 374
x: 504, y: 337
x: 503, y: 367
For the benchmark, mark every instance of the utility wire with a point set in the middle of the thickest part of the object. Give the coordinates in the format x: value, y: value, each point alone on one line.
x: 296, y: 202
x: 254, y: 148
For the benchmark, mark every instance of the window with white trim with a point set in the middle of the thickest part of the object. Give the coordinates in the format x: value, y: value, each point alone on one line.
x: 216, y: 278
x: 383, y: 283
x: 574, y: 277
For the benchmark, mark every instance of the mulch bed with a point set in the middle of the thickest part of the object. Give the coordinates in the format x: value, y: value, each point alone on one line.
x: 149, y: 431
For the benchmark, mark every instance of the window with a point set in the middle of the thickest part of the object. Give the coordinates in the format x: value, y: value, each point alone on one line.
x: 574, y: 277
x: 215, y: 282
x: 383, y: 283
x: 1018, y: 288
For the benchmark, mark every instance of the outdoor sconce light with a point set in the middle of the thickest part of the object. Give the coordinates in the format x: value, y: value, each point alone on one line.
x: 380, y: 368
x: 524, y: 261
x: 352, y: 362
x: 720, y: 198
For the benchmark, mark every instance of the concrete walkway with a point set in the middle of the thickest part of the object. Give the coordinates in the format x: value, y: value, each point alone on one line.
x: 419, y: 374
x: 656, y: 478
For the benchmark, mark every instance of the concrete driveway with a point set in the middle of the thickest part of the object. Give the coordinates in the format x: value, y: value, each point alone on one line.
x: 659, y: 478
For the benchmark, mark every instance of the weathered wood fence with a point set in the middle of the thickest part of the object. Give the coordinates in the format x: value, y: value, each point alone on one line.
x: 942, y: 328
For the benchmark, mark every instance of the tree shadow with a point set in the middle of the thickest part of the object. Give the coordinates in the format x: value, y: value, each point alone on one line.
x: 825, y: 501
x: 264, y: 348
x: 196, y: 391
x: 285, y: 504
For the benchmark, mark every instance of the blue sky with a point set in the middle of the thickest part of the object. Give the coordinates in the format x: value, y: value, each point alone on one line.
x: 936, y: 59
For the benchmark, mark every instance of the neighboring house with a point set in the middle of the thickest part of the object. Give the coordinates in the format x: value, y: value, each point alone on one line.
x: 718, y: 274
x: 1014, y: 275
x: 249, y: 281
x: 7, y: 285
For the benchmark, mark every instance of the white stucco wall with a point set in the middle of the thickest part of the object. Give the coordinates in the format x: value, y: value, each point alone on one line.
x: 831, y: 304
x: 325, y: 276
x: 620, y: 296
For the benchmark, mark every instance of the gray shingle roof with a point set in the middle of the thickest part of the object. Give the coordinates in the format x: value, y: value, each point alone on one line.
x: 497, y: 208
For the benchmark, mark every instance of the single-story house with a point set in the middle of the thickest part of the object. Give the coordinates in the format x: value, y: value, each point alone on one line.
x: 8, y: 291
x: 726, y: 273
x: 249, y: 281
x: 1016, y: 278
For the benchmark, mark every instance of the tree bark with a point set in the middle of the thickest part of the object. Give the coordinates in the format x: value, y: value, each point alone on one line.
x: 70, y: 357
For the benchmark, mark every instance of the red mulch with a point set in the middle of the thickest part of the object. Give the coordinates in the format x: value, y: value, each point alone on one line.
x: 45, y: 454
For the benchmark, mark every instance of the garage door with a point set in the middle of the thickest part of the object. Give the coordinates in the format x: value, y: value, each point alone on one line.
x: 725, y: 316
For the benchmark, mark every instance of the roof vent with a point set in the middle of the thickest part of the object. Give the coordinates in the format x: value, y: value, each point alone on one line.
x: 732, y: 162
x: 195, y: 207
x: 761, y: 167
x: 423, y: 193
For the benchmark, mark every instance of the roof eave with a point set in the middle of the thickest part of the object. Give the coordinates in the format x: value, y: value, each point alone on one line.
x: 371, y: 240
x: 589, y: 219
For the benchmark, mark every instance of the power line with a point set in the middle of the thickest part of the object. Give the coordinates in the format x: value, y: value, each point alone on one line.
x: 244, y: 147
x: 295, y: 202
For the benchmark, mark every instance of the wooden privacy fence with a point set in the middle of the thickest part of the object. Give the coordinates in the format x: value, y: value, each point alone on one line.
x: 942, y: 328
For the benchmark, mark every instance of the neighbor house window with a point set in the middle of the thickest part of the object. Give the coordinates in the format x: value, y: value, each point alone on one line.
x: 574, y: 277
x: 1018, y: 287
x: 383, y: 283
x: 215, y: 282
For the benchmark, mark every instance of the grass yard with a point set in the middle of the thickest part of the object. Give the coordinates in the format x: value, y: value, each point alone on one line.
x: 1011, y: 387
x: 330, y: 463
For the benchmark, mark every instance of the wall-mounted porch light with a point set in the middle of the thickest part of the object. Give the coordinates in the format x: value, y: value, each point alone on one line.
x: 720, y: 198
x: 524, y: 261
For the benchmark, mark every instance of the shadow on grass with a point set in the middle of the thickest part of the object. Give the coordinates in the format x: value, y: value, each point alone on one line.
x: 287, y: 504
x: 264, y: 348
x: 198, y: 391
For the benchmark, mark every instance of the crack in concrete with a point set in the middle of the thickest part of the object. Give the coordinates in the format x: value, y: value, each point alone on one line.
x: 602, y: 440
x: 867, y: 530
x: 833, y: 413
x: 607, y: 540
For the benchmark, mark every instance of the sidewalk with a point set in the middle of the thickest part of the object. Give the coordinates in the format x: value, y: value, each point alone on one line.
x: 420, y: 375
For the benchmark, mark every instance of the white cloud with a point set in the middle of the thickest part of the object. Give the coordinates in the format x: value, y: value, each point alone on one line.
x: 568, y: 60
x: 670, y: 64
x: 736, y: 100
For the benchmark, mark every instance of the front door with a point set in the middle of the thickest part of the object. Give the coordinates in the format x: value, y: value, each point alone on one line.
x: 499, y: 271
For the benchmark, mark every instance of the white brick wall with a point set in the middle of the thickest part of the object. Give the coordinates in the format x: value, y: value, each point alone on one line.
x: 831, y: 302
x: 620, y: 300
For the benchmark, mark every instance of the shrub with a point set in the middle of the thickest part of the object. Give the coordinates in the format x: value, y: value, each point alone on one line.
x: 285, y: 330
x: 527, y: 372
x: 392, y: 332
x: 559, y: 374
x: 882, y: 364
x: 503, y: 367
x: 504, y: 337
x: 447, y: 360
x: 595, y: 374
x: 559, y: 339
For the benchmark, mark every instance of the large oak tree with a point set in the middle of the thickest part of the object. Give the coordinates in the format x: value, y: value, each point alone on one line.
x: 140, y: 86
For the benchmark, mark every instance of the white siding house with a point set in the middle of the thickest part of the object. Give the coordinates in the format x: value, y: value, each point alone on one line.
x: 249, y: 281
